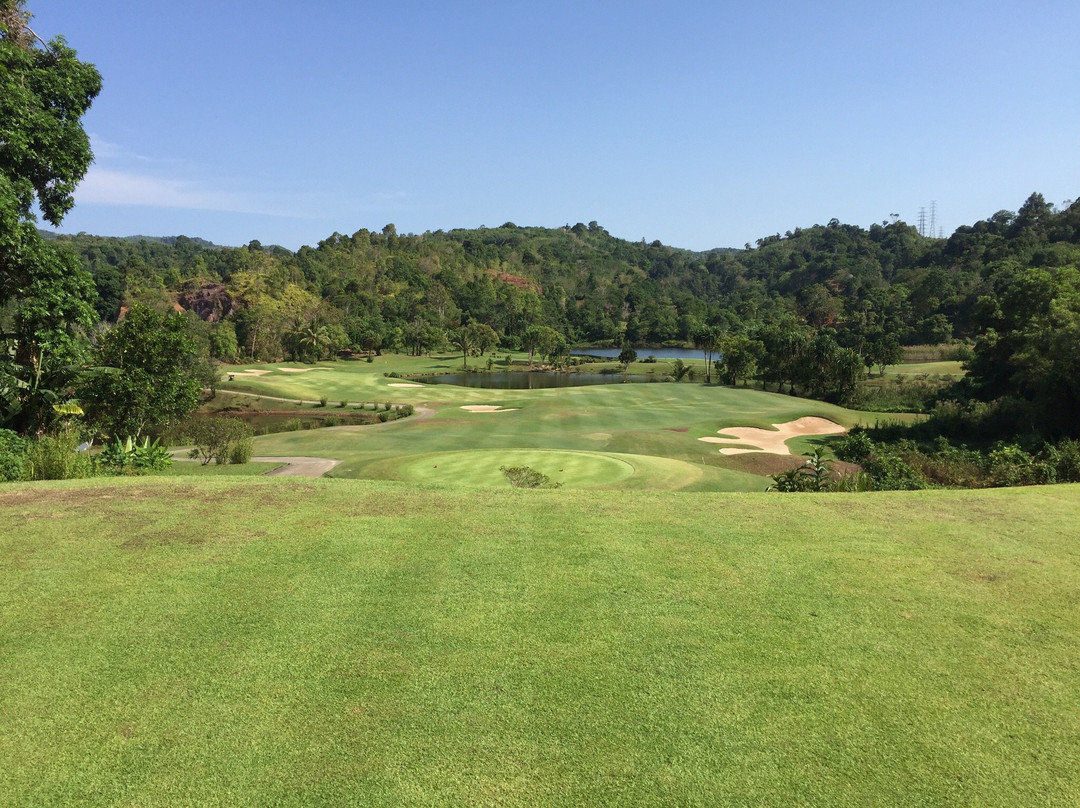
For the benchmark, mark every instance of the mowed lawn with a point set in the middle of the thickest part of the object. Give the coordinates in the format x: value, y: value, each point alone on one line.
x: 652, y: 429
x: 253, y: 641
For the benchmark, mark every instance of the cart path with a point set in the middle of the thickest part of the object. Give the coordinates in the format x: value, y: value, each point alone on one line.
x: 298, y: 466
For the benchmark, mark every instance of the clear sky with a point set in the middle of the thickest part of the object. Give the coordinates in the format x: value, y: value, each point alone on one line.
x: 701, y: 124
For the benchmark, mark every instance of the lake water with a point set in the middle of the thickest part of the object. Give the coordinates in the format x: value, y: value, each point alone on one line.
x: 535, y: 380
x: 659, y: 353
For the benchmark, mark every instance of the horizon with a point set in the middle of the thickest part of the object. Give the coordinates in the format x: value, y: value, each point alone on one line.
x: 702, y: 127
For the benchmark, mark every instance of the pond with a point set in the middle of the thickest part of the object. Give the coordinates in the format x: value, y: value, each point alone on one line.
x: 534, y: 380
x: 659, y: 353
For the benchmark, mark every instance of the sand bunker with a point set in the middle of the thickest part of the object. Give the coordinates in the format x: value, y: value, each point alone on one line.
x: 487, y: 408
x: 249, y: 372
x: 403, y: 384
x: 299, y: 370
x: 773, y: 441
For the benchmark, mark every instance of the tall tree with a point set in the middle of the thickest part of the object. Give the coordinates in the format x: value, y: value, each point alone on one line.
x: 707, y: 340
x: 44, y: 153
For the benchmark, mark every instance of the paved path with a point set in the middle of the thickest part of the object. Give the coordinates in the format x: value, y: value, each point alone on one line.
x: 298, y: 466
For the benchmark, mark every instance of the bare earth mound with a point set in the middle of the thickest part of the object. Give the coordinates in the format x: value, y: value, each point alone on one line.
x: 774, y: 441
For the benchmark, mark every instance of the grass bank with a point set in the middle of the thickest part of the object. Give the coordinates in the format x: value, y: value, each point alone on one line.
x: 250, y: 641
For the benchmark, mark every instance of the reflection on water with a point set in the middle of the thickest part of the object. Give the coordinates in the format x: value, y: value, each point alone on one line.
x: 534, y: 380
x: 659, y: 353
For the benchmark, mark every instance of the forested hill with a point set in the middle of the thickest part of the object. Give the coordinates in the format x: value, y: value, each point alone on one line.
x: 384, y: 289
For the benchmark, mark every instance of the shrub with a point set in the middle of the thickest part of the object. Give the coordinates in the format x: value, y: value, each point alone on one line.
x: 404, y: 410
x: 854, y: 447
x: 1065, y: 458
x: 527, y: 477
x: 292, y: 425
x: 214, y: 437
x: 387, y: 406
x: 342, y: 404
x: 12, y: 456
x: 322, y: 401
x: 128, y: 457
x: 891, y: 472
x: 241, y: 451
x: 816, y: 474
x: 384, y: 417
x: 53, y: 457
x: 1008, y: 464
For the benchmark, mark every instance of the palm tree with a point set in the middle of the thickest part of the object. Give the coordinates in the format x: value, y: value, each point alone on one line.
x: 707, y: 340
x: 314, y: 338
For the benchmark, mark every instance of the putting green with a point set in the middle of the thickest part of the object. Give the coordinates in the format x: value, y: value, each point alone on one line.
x: 481, y: 467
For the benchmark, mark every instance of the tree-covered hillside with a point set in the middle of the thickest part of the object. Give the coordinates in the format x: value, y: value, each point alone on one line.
x: 388, y: 289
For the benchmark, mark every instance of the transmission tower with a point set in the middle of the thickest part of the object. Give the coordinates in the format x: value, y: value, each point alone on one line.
x: 933, y: 217
x: 922, y: 221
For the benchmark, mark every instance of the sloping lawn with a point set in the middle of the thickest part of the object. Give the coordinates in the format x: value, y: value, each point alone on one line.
x: 248, y: 641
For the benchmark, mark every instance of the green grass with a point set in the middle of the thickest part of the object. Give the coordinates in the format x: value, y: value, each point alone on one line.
x: 658, y: 424
x: 944, y: 368
x: 186, y: 468
x: 248, y: 641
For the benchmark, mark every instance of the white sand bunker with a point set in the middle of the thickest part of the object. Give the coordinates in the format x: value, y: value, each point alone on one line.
x: 299, y: 370
x: 774, y: 441
x: 249, y: 372
x: 403, y: 384
x: 487, y: 408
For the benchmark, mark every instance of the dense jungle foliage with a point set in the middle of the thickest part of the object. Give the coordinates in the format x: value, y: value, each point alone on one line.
x: 810, y: 311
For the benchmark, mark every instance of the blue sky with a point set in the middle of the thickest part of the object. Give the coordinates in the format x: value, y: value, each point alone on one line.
x: 701, y: 124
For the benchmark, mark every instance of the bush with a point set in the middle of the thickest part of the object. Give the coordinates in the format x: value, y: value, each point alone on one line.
x: 292, y: 425
x: 1011, y: 465
x: 527, y: 477
x: 128, y: 457
x: 241, y: 451
x: 53, y: 457
x: 322, y: 401
x: 404, y: 410
x: 854, y: 447
x: 214, y: 437
x: 1065, y: 458
x: 12, y: 456
x: 816, y: 475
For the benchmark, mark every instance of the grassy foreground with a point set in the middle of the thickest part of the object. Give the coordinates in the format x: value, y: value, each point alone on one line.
x: 253, y: 641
